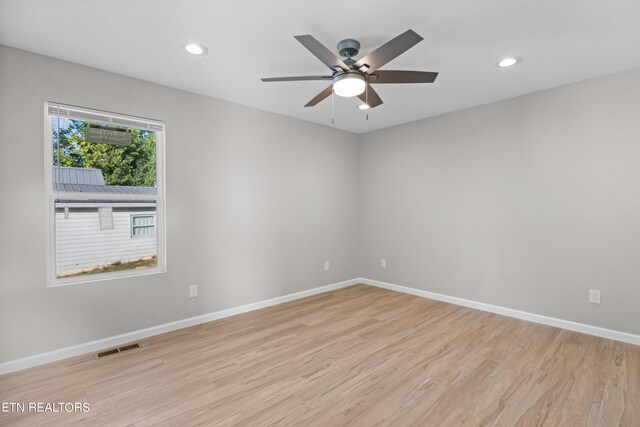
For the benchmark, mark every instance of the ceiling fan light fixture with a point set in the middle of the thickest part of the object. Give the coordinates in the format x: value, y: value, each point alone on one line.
x: 509, y: 61
x: 363, y: 106
x: 349, y: 84
x: 196, y: 49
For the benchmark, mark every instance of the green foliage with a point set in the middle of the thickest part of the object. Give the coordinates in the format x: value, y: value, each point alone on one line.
x: 133, y: 165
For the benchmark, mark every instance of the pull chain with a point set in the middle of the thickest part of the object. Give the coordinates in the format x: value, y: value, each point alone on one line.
x: 332, y: 106
x: 366, y: 100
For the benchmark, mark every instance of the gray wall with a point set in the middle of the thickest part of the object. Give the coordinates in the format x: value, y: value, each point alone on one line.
x: 525, y: 203
x: 256, y: 202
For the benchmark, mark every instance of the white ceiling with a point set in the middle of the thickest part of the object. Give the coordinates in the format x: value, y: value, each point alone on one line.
x: 561, y: 41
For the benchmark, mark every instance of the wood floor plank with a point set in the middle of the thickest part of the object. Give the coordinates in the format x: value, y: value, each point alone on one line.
x: 358, y: 356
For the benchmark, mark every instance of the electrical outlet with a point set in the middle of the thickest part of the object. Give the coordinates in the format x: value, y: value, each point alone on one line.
x: 327, y: 266
x: 594, y: 296
x: 193, y: 291
x: 383, y: 263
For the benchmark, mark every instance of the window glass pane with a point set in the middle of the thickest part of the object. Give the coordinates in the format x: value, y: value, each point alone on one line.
x: 115, y: 167
x: 87, y: 154
x: 83, y: 247
x: 142, y: 220
x: 142, y: 225
x: 142, y: 231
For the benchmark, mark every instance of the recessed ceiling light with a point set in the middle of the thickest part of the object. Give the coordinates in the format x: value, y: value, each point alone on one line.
x: 508, y: 62
x: 363, y: 106
x: 196, y: 49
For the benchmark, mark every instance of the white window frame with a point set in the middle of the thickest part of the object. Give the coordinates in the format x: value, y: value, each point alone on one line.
x: 132, y: 226
x: 106, y: 117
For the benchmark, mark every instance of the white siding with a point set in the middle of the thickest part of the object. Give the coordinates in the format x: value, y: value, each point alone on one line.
x: 82, y: 245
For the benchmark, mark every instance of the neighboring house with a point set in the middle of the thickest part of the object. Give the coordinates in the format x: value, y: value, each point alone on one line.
x: 100, y: 231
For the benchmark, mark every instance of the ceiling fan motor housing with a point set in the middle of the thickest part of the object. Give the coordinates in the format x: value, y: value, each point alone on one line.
x: 349, y: 47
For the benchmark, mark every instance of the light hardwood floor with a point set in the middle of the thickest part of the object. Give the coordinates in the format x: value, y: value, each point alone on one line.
x: 357, y: 356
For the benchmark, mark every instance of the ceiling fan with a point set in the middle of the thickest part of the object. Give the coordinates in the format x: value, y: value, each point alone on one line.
x: 353, y: 78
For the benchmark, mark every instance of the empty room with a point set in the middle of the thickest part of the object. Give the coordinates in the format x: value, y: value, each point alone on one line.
x: 254, y: 213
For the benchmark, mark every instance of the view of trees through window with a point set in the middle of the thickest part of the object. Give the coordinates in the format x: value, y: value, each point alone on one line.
x: 130, y: 165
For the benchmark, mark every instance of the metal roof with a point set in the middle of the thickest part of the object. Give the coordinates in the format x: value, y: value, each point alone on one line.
x: 89, y: 180
x: 69, y: 175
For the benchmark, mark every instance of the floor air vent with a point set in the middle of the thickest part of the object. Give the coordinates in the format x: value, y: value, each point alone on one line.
x: 118, y: 350
x: 107, y: 352
x: 129, y: 347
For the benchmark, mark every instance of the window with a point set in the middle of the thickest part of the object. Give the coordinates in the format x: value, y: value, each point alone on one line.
x: 142, y: 225
x: 104, y: 182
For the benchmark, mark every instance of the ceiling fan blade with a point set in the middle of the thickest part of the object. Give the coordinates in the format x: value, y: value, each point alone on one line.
x: 388, y: 51
x: 295, y: 79
x: 319, y: 97
x: 370, y: 97
x: 327, y: 57
x: 388, y: 76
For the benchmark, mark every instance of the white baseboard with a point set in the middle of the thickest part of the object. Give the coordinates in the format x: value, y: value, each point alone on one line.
x: 63, y: 353
x: 101, y: 344
x: 523, y: 315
